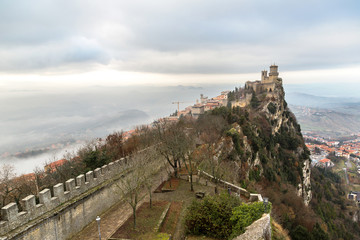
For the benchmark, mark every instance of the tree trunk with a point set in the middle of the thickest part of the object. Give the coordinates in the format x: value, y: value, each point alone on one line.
x: 150, y: 198
x: 176, y: 171
x: 170, y: 180
x: 134, y: 215
x: 191, y: 183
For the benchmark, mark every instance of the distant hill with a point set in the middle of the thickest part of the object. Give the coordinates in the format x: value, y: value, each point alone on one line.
x: 331, y: 116
x: 309, y: 100
x: 326, y: 121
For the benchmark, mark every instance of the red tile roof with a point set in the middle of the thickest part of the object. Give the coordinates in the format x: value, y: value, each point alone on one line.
x: 325, y: 160
x: 52, y: 166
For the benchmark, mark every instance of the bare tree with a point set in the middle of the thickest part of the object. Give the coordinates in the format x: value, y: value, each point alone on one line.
x: 190, y: 165
x: 7, y: 185
x: 213, y: 150
x: 132, y: 183
x: 189, y: 155
x: 25, y: 185
x: 40, y: 179
x: 169, y: 171
x: 147, y: 135
x: 114, y: 145
x: 154, y: 163
x: 172, y: 143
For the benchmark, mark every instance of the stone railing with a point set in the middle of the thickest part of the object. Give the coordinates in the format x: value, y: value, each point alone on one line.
x: 253, y: 197
x: 50, y: 200
x: 233, y: 187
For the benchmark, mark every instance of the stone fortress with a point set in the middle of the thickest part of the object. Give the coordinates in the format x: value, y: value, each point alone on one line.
x: 266, y: 85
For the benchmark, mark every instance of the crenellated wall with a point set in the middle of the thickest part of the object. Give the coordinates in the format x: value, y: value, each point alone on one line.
x: 67, y: 208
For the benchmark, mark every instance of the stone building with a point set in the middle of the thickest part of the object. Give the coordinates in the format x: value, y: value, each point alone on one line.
x: 197, y: 110
x: 267, y: 82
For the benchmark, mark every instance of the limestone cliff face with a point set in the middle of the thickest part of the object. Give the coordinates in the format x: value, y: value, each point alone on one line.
x: 356, y: 216
x: 269, y: 143
x: 304, y: 187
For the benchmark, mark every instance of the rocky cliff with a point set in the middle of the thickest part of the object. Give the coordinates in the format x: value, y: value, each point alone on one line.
x: 267, y: 140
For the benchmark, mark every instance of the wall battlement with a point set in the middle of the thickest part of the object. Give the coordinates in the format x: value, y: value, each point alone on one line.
x: 60, y: 193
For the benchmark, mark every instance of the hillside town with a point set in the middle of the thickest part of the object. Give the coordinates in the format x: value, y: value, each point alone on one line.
x: 321, y: 147
x: 346, y: 149
x: 201, y: 106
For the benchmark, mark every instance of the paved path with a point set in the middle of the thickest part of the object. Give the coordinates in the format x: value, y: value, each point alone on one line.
x: 113, y: 218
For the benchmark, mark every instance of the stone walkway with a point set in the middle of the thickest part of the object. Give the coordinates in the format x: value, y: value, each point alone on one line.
x: 114, y: 217
x: 111, y: 220
x: 117, y: 215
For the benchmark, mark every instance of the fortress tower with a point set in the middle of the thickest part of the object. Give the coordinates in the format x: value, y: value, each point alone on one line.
x: 273, y: 75
x: 267, y: 83
x: 264, y: 76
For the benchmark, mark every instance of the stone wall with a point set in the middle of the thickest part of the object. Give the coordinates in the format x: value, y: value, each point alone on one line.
x: 68, y: 208
x: 260, y: 229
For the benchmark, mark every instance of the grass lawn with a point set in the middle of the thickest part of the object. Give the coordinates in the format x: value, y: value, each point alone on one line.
x: 146, y: 217
x: 172, y: 218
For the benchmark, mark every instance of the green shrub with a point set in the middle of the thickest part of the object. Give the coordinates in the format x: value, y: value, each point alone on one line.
x: 318, y: 233
x: 254, y: 102
x: 211, y: 216
x: 254, y: 174
x: 95, y: 158
x: 244, y: 215
x: 222, y: 217
x: 236, y: 140
x: 272, y: 107
x: 300, y: 232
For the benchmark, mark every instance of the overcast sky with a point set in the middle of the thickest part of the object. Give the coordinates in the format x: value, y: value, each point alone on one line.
x: 165, y: 41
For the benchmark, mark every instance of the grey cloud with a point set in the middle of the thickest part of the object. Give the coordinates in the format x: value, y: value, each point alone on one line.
x: 177, y: 36
x: 55, y: 54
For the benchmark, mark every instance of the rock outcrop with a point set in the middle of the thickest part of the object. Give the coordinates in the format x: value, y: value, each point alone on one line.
x: 267, y: 137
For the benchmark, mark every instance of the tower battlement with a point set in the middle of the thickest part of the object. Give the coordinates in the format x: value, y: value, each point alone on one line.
x: 273, y: 75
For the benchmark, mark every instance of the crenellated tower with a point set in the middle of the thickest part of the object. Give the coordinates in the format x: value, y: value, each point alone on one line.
x: 264, y: 76
x: 274, y: 74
